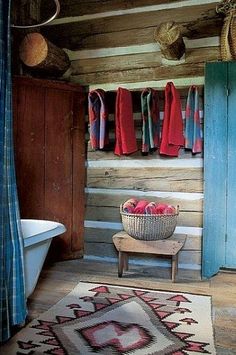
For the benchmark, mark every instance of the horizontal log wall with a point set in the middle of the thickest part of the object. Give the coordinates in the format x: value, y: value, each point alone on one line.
x: 115, y: 43
x: 110, y: 182
x: 111, y: 44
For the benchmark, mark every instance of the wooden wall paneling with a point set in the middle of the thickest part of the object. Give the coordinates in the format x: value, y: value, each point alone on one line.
x: 135, y: 75
x: 136, y: 28
x: 100, y: 235
x: 115, y: 63
x: 158, y: 84
x: 28, y: 111
x: 190, y: 258
x: 94, y: 155
x: 112, y: 214
x: 113, y: 198
x: 102, y: 250
x: 193, y: 242
x: 159, y: 178
x: 139, y: 61
x: 58, y: 165
x: 79, y: 173
x: 87, y: 7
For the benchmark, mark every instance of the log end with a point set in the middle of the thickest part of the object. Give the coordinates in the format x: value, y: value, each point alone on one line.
x: 171, y: 42
x: 39, y: 54
x: 33, y: 49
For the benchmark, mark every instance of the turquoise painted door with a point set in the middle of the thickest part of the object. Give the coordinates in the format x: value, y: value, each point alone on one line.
x: 219, y: 223
x: 230, y: 245
x: 215, y: 168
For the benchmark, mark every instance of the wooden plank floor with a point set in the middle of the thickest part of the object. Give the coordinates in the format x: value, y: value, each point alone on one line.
x: 58, y: 279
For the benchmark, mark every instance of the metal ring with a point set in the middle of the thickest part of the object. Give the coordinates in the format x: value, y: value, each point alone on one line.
x: 45, y: 22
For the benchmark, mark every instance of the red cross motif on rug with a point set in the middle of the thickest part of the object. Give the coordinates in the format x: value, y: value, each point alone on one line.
x: 113, y: 334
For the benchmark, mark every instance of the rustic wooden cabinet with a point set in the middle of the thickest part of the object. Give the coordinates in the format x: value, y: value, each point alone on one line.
x: 50, y: 157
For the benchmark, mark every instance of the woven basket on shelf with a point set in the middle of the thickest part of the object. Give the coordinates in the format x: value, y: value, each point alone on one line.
x: 149, y: 227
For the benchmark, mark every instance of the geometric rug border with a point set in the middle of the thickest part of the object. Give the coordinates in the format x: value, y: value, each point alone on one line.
x: 92, y: 318
x: 146, y: 289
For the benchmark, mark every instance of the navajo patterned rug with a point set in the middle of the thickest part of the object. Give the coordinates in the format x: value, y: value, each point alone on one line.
x: 105, y: 319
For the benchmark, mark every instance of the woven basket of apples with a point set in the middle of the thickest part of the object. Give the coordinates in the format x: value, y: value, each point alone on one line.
x: 146, y: 220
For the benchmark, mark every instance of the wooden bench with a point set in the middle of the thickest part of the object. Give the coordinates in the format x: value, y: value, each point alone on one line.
x: 169, y: 247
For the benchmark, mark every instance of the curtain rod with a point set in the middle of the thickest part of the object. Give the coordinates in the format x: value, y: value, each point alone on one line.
x: 57, y: 3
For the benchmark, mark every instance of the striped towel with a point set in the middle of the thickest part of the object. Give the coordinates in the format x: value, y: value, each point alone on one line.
x: 130, y: 205
x: 193, y: 134
x: 98, y: 119
x: 125, y: 132
x: 172, y: 131
x: 160, y: 208
x: 150, y: 119
x: 151, y: 208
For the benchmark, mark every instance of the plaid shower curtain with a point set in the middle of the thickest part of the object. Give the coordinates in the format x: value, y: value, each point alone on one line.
x: 12, y: 294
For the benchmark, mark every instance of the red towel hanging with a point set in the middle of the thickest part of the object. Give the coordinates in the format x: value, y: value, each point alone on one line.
x: 172, y: 131
x: 125, y: 132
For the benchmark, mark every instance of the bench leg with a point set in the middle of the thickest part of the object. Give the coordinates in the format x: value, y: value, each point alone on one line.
x: 126, y: 261
x: 174, y: 267
x: 121, y: 264
x: 177, y: 263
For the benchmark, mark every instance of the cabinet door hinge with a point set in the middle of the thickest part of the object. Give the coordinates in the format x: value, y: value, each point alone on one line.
x: 226, y: 237
x: 227, y: 91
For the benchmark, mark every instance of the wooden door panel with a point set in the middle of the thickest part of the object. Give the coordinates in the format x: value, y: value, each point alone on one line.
x: 50, y: 157
x: 58, y: 164
x: 215, y: 168
x: 29, y: 147
x: 78, y: 142
x: 230, y: 251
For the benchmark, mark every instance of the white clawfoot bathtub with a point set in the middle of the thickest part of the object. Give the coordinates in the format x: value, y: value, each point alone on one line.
x: 37, y: 236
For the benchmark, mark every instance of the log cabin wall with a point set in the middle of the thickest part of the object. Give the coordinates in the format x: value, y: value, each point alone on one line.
x: 111, y: 44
